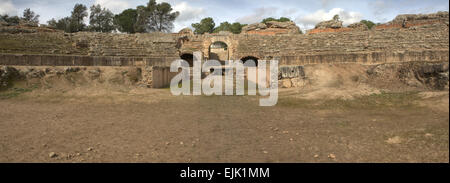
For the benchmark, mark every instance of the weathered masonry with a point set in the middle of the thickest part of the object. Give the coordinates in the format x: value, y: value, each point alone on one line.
x: 406, y: 38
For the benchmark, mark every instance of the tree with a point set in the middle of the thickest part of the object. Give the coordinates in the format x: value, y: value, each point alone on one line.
x: 205, y: 25
x: 235, y: 28
x: 141, y: 19
x: 62, y: 24
x: 101, y: 20
x: 281, y: 19
x: 14, y: 20
x: 336, y: 18
x: 30, y: 16
x: 52, y: 23
x: 268, y: 20
x: 77, y: 18
x: 369, y: 23
x: 155, y: 17
x: 224, y: 26
x: 164, y: 17
x: 284, y: 19
x: 125, y: 21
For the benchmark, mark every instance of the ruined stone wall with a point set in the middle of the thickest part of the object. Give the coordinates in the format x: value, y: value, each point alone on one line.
x: 87, y: 48
x: 421, y: 42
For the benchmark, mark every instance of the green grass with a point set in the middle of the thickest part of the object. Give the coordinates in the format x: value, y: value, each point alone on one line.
x: 374, y: 101
x: 14, y: 92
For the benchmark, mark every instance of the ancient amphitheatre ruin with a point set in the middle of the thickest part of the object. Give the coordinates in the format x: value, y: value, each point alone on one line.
x: 351, y: 68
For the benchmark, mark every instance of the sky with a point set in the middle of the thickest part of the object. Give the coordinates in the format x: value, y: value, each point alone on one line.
x: 305, y: 13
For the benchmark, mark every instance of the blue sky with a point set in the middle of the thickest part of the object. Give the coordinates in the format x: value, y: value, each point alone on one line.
x: 305, y: 13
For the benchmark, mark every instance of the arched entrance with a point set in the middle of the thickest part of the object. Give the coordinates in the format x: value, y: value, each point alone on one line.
x: 188, y: 57
x: 248, y: 58
x: 218, y: 51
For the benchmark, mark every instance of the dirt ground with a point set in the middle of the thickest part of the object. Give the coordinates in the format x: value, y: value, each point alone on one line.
x: 151, y: 125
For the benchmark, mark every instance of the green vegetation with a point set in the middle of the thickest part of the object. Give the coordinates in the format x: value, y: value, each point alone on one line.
x: 383, y: 100
x: 30, y: 16
x: 125, y: 21
x: 101, y: 20
x: 369, y: 23
x: 281, y: 19
x: 150, y: 18
x: 206, y: 25
x: 155, y: 17
x: 14, y: 92
x: 235, y: 28
x: 74, y: 23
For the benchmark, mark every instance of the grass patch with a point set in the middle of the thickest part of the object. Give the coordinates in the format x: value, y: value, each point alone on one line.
x: 374, y: 101
x: 14, y: 92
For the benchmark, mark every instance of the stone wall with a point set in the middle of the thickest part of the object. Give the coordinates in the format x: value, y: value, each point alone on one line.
x: 424, y: 41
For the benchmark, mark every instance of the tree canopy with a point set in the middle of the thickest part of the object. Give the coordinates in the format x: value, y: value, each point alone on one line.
x: 155, y: 17
x: 74, y: 23
x: 79, y: 12
x: 369, y: 23
x: 126, y: 20
x: 11, y: 20
x: 149, y: 18
x: 61, y: 24
x: 206, y: 25
x: 235, y: 28
x: 30, y: 16
x: 281, y: 19
x: 101, y: 20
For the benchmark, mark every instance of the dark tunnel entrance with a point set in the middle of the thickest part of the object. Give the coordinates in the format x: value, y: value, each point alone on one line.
x: 248, y: 58
x: 188, y: 58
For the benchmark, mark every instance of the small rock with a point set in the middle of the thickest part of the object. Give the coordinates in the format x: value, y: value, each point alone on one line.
x: 181, y: 143
x: 394, y: 140
x: 265, y: 152
x: 332, y: 156
x: 167, y: 143
x: 286, y: 83
x: 52, y: 155
x: 291, y: 139
x: 285, y: 132
x: 316, y: 156
x: 90, y: 149
x: 428, y: 135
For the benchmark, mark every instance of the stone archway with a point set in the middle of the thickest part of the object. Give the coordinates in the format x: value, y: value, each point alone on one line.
x: 248, y: 58
x: 219, y: 51
x: 188, y: 57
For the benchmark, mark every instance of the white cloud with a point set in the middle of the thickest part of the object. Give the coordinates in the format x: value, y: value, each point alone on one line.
x: 310, y: 20
x: 188, y: 15
x: 258, y: 15
x: 7, y: 7
x: 187, y: 12
x: 116, y: 6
